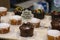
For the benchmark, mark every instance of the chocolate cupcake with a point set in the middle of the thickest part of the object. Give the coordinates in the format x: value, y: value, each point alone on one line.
x: 26, y: 30
x: 55, y: 20
x: 56, y: 24
x: 55, y: 15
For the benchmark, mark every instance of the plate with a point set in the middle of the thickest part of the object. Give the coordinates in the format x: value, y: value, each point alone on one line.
x: 39, y: 33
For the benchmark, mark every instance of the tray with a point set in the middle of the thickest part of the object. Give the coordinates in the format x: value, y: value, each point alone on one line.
x: 39, y: 33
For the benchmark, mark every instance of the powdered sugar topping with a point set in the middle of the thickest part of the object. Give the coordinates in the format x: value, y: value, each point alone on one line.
x: 4, y: 25
x: 54, y: 33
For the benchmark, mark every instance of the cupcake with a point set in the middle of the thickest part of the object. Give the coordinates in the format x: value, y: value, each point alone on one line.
x: 53, y: 35
x: 55, y: 24
x: 15, y: 20
x: 3, y: 11
x: 4, y: 28
x: 35, y: 22
x: 55, y: 15
x: 26, y: 30
x: 18, y: 10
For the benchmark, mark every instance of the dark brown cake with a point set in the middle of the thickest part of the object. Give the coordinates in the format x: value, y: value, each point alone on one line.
x: 56, y: 24
x: 55, y: 20
x: 55, y: 15
x: 26, y: 30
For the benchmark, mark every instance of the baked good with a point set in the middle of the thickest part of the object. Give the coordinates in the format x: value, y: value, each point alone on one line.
x: 55, y: 24
x: 26, y: 30
x: 40, y: 14
x: 4, y: 28
x: 55, y: 15
x: 3, y: 11
x: 53, y: 35
x: 15, y: 20
x: 18, y: 10
x: 35, y: 22
x: 55, y: 20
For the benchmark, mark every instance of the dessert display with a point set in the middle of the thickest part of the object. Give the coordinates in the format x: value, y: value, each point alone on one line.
x: 3, y: 11
x: 35, y: 22
x: 53, y: 35
x: 26, y: 24
x: 4, y: 28
x: 26, y: 30
x: 15, y: 20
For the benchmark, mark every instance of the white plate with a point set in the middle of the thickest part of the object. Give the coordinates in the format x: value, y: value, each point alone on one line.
x: 39, y: 34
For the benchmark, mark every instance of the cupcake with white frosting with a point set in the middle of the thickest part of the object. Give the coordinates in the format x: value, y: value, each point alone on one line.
x: 53, y: 35
x: 35, y: 22
x: 4, y: 28
x: 3, y: 11
x: 15, y: 20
